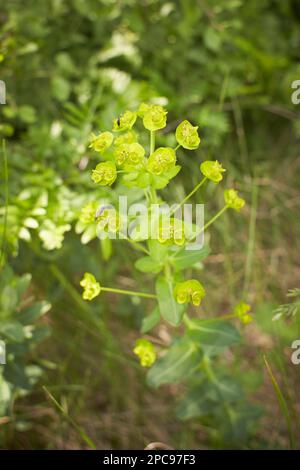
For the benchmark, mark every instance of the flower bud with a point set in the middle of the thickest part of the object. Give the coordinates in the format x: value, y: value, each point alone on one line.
x: 129, y: 154
x: 101, y: 142
x: 189, y: 291
x: 154, y: 117
x: 161, y: 161
x: 91, y: 288
x: 212, y: 170
x: 232, y: 199
x: 104, y: 174
x: 145, y: 351
x: 125, y: 121
x: 187, y: 135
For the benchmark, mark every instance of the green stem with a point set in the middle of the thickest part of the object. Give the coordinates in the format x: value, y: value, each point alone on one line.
x: 6, y: 199
x: 177, y: 147
x: 152, y: 142
x: 189, y: 195
x: 282, y: 403
x: 218, y: 214
x: 212, y: 220
x: 251, y: 239
x: 128, y: 292
x: 137, y: 245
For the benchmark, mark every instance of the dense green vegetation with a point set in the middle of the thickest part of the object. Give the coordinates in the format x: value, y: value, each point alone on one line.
x: 71, y: 378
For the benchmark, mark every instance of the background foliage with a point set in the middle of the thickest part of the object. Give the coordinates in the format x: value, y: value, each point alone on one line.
x: 72, y: 66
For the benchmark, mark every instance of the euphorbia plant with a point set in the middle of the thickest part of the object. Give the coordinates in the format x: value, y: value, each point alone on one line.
x: 166, y: 253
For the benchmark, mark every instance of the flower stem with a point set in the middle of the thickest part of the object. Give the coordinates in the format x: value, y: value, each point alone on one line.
x: 188, y: 196
x: 177, y: 147
x: 152, y: 142
x: 128, y: 292
x: 215, y: 217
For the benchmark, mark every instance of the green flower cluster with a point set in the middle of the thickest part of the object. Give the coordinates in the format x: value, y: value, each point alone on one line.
x: 233, y: 200
x: 154, y: 116
x: 101, y: 142
x: 187, y: 135
x: 91, y: 288
x: 161, y: 161
x: 129, y: 155
x: 104, y: 174
x: 189, y: 291
x: 88, y: 212
x: 145, y: 351
x: 171, y: 231
x: 241, y: 311
x: 212, y: 170
x: 125, y: 121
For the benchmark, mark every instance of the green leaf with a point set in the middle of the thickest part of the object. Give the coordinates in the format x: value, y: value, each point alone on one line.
x: 197, y: 403
x: 180, y: 361
x: 32, y: 313
x: 22, y: 284
x: 205, y: 398
x: 150, y: 321
x: 158, y: 251
x: 213, y: 336
x: 148, y: 265
x: 13, y: 331
x: 14, y: 373
x: 9, y: 299
x: 188, y: 258
x: 170, y: 310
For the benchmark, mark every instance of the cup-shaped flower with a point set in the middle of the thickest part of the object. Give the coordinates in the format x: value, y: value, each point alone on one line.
x: 104, y: 174
x: 187, y: 135
x: 129, y: 154
x: 125, y: 121
x: 241, y: 310
x: 212, y: 170
x: 128, y: 137
x: 233, y: 200
x: 145, y: 351
x: 189, y: 291
x: 171, y: 231
x: 101, y: 142
x: 154, y: 117
x: 161, y: 161
x: 91, y: 288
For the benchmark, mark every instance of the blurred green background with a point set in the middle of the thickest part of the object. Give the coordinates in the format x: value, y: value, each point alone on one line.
x: 70, y: 67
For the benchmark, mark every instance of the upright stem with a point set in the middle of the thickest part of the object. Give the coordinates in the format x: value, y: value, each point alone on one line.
x: 152, y: 141
x: 5, y: 201
x: 251, y: 238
